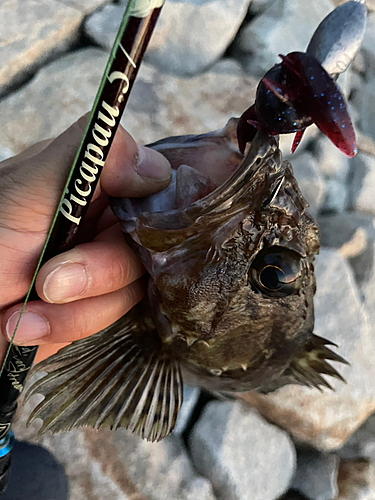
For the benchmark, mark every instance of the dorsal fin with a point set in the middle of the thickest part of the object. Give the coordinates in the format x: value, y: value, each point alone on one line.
x: 119, y: 377
x: 310, y: 363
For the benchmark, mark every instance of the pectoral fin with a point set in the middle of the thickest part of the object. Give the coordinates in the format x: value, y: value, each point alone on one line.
x: 119, y: 377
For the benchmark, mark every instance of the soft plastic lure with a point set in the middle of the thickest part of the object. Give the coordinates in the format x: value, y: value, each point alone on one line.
x: 301, y: 90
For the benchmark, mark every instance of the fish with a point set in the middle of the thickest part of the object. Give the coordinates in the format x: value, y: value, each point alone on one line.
x: 229, y: 247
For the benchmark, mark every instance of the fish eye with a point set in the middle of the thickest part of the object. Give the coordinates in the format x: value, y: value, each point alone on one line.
x: 276, y: 271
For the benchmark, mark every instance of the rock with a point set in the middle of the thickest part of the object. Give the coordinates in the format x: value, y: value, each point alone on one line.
x: 285, y: 27
x: 257, y: 7
x: 244, y: 457
x: 160, y: 470
x: 86, y: 6
x: 353, y: 234
x: 334, y: 168
x: 160, y: 105
x: 365, y: 144
x: 191, y: 396
x: 118, y: 465
x: 163, y: 105
x: 33, y: 31
x: 356, y: 480
x: 5, y: 153
x: 339, y: 230
x: 190, y: 36
x: 310, y: 180
x: 364, y: 99
x: 316, y: 474
x: 326, y: 419
x: 362, y: 443
x: 362, y: 186
x: 227, y: 66
x: 53, y: 100
x: 103, y: 25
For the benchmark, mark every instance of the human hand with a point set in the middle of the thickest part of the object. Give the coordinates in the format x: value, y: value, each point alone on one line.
x: 91, y: 286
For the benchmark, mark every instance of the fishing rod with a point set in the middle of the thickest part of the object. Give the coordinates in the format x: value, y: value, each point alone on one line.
x: 121, y: 70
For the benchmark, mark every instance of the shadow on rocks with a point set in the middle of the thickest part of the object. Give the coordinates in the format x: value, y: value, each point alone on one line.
x: 35, y: 475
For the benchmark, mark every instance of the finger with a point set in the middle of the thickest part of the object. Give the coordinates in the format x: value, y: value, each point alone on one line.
x: 43, y: 352
x: 3, y: 349
x: 102, y: 266
x: 51, y: 323
x: 132, y: 170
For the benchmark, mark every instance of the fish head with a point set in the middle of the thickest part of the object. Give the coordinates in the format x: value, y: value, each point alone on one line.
x: 231, y: 273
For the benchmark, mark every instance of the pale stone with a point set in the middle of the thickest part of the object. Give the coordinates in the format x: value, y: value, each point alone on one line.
x: 160, y: 105
x: 285, y: 27
x: 190, y: 35
x: 362, y: 443
x: 332, y: 163
x: 257, y: 7
x: 33, y: 31
x: 334, y: 167
x: 58, y: 95
x: 118, y: 465
x: 356, y: 480
x: 103, y: 25
x: 327, y: 419
x: 243, y: 456
x: 362, y: 186
x: 353, y: 235
x: 5, y: 153
x: 364, y: 98
x: 190, y: 399
x: 310, y: 180
x: 86, y: 6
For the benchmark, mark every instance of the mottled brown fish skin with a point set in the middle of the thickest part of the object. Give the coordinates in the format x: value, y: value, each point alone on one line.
x: 229, y: 248
x: 227, y: 334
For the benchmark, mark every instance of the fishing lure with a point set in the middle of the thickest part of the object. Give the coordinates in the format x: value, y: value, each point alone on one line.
x: 301, y: 90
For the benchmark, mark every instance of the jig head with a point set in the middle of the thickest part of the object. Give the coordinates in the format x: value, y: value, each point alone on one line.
x: 301, y: 90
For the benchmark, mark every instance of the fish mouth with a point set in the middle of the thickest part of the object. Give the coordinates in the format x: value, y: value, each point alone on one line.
x: 262, y: 184
x: 230, y: 197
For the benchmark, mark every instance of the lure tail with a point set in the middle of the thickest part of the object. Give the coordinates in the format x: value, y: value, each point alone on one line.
x: 119, y: 377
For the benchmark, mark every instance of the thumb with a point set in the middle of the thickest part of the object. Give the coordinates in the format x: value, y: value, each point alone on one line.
x: 132, y: 170
x: 32, y: 183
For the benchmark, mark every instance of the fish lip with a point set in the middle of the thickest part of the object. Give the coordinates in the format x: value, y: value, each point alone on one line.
x: 263, y: 149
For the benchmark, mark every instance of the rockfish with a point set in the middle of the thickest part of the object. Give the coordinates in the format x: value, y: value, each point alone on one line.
x: 229, y: 248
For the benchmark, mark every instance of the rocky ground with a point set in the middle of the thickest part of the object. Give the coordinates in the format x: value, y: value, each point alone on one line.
x: 202, y: 68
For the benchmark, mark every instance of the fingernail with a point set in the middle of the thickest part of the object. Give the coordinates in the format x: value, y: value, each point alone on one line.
x: 31, y: 327
x: 65, y: 282
x: 152, y: 164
